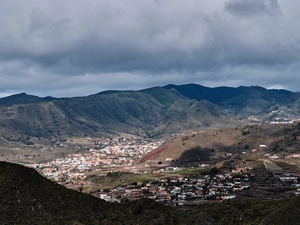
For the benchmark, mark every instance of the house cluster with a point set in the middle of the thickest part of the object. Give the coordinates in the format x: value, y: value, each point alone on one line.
x: 182, y: 190
x: 284, y: 176
x: 74, y: 167
x: 289, y: 156
x: 293, y: 155
x: 281, y: 174
x: 285, y: 118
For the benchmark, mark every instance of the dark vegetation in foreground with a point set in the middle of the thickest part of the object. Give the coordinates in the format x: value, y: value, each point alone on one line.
x: 28, y: 198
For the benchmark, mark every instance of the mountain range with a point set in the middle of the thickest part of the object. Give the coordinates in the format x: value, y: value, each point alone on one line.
x: 151, y: 112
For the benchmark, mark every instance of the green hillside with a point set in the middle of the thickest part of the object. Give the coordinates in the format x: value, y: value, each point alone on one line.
x: 245, y: 101
x: 152, y: 112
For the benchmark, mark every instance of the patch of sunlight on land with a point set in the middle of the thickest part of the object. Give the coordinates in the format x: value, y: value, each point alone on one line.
x: 271, y: 165
x: 190, y: 172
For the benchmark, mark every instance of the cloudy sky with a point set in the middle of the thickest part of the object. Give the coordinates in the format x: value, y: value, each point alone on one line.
x: 76, y: 48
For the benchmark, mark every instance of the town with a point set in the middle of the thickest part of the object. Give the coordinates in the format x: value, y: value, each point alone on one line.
x: 117, y: 153
x: 121, y: 156
x: 181, y: 190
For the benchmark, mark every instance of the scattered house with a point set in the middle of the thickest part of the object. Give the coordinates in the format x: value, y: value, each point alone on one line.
x: 237, y: 188
x: 274, y: 157
x: 229, y: 197
x: 169, y: 159
x: 204, y: 165
x: 176, y: 190
x: 288, y: 179
x: 295, y: 155
x: 171, y: 168
x: 108, y: 198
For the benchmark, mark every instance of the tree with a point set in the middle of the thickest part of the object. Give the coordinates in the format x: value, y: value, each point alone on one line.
x: 81, y: 188
x: 213, y: 171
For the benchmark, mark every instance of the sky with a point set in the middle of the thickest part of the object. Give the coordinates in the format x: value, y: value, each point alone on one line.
x: 77, y: 48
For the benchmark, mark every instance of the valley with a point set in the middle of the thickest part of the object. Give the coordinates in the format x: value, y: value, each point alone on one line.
x: 149, y: 112
x: 175, y: 147
x: 245, y: 165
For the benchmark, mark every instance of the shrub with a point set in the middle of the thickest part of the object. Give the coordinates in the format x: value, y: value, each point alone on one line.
x: 245, y: 132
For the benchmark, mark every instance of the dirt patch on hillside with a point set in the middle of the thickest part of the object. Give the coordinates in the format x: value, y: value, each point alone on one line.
x: 156, y: 153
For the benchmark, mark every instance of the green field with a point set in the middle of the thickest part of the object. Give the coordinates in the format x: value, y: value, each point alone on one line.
x: 271, y: 166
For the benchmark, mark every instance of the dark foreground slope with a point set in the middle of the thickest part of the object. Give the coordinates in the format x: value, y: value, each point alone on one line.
x: 28, y: 198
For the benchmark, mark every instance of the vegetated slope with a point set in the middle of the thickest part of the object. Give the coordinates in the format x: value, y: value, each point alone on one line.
x: 28, y: 198
x: 23, y: 98
x: 245, y: 101
x: 118, y: 111
x: 277, y: 138
x: 256, y: 212
x: 151, y: 112
x: 37, y: 119
x: 148, y: 112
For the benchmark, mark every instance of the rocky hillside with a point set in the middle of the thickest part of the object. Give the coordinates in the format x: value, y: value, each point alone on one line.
x: 246, y: 101
x: 152, y: 112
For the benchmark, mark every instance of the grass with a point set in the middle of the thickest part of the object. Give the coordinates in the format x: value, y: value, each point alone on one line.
x: 271, y: 165
x: 117, y: 179
x: 192, y: 172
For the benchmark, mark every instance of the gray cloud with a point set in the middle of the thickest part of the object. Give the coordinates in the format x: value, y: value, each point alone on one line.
x: 71, y: 48
x: 249, y: 8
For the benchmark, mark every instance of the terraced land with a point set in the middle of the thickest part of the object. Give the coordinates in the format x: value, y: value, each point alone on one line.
x: 265, y: 186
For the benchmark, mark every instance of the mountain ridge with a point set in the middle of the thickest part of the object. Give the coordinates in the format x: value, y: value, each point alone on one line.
x: 151, y: 112
x: 181, y: 87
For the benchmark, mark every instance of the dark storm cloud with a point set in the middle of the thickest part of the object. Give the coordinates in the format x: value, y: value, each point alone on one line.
x: 248, y: 8
x: 67, y: 48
